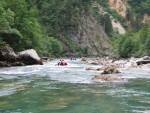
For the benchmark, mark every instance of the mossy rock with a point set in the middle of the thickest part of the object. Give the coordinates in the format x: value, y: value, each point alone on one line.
x: 83, y: 59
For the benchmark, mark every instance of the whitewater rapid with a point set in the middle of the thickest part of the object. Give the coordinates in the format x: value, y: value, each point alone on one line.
x: 27, y: 82
x: 75, y: 72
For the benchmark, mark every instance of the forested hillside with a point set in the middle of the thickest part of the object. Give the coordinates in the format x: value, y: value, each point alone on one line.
x: 75, y: 27
x: 136, y: 42
x: 21, y: 28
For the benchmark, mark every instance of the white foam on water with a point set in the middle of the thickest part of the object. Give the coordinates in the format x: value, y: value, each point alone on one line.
x: 146, y: 111
x: 6, y: 92
x: 74, y: 72
x: 134, y: 73
x: 137, y: 111
x: 19, y: 72
x: 146, y: 101
x: 70, y: 78
x: 126, y: 93
x: 111, y: 82
x: 13, y: 72
x: 7, y: 77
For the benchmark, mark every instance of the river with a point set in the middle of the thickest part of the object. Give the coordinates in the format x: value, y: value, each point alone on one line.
x: 69, y: 89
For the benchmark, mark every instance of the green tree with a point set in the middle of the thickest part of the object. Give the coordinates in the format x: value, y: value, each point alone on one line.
x: 55, y: 46
x: 26, y: 22
x: 8, y: 34
x: 126, y: 48
x: 106, y: 22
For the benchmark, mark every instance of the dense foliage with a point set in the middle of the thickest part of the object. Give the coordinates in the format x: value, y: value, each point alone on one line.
x: 140, y: 6
x: 48, y: 25
x: 134, y: 43
x: 28, y: 24
x: 61, y: 19
x: 104, y: 20
x: 136, y: 11
x: 21, y: 29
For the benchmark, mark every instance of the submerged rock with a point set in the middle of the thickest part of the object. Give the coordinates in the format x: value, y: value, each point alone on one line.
x: 96, y: 69
x: 107, y: 78
x: 143, y: 60
x: 93, y: 62
x: 83, y: 59
x: 46, y: 59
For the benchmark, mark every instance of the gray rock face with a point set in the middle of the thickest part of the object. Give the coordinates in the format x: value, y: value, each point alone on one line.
x: 9, y: 64
x: 91, y: 36
x: 31, y: 52
x: 4, y: 64
x: 9, y: 58
x: 144, y: 60
x: 110, y: 70
x: 29, y: 57
x: 7, y: 54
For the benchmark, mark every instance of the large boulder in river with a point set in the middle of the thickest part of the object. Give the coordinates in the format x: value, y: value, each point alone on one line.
x: 144, y: 60
x: 9, y: 58
x: 110, y: 70
x: 7, y: 54
x: 29, y: 57
x: 83, y: 59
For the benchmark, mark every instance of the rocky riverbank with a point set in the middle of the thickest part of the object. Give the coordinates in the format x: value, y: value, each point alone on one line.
x: 109, y: 67
x: 9, y: 58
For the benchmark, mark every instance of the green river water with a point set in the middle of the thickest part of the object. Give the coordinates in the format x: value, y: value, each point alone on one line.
x: 55, y: 89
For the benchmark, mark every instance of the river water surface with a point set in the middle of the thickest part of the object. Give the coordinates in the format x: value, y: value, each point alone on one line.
x: 69, y: 89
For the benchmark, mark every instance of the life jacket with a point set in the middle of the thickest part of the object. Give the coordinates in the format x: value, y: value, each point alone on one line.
x: 62, y: 63
x: 65, y: 63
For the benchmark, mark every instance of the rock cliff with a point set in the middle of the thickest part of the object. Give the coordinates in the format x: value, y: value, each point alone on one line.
x: 91, y: 36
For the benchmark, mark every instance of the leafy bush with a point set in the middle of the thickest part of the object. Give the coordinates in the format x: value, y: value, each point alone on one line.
x: 55, y: 46
x: 126, y: 47
x: 133, y: 43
